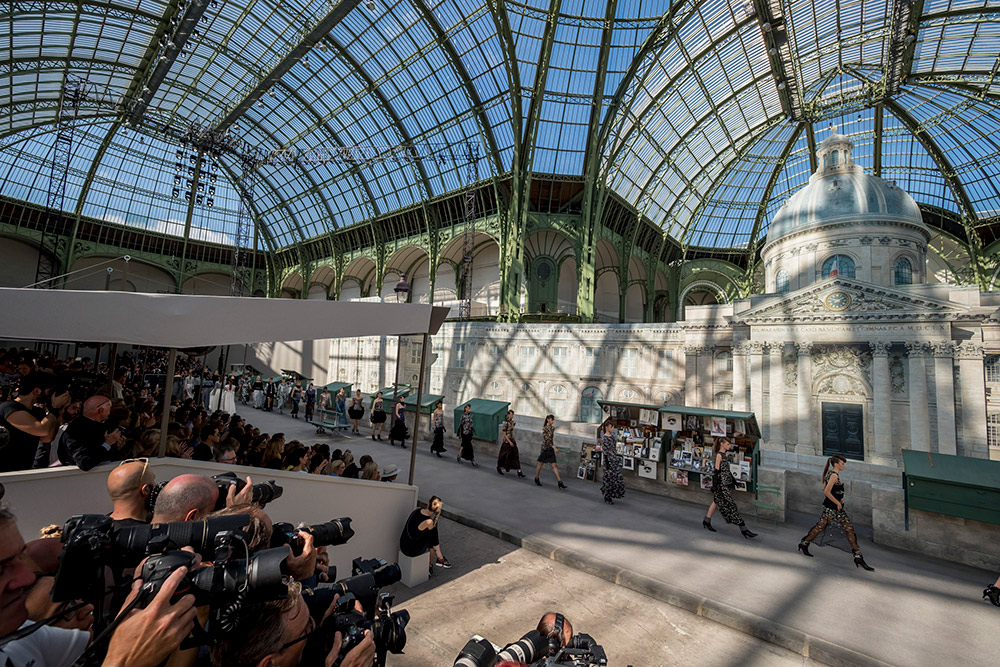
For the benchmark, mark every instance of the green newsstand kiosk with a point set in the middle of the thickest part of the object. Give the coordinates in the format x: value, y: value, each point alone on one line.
x: 403, y: 390
x: 427, y: 403
x: 487, y: 416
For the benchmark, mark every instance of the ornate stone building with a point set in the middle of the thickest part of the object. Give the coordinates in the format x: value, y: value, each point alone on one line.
x: 851, y: 349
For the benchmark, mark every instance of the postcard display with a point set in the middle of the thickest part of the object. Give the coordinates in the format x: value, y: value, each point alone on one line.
x: 637, y: 443
x: 692, y: 461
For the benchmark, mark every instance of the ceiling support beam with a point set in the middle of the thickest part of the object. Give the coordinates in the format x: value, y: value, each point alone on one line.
x: 774, y: 30
x: 337, y: 10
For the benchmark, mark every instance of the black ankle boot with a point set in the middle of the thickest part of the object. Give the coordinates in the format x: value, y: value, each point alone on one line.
x: 746, y: 532
x: 561, y: 485
x: 993, y: 593
x: 804, y: 548
x: 521, y: 474
x: 537, y: 482
x: 859, y: 561
x: 499, y: 472
x: 707, y: 525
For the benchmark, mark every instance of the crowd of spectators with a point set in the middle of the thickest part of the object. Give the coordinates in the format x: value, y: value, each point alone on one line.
x: 77, y: 412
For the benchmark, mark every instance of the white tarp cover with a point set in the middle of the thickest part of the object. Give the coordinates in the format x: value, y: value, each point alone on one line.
x: 179, y: 320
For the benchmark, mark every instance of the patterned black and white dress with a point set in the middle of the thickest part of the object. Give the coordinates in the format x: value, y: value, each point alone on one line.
x: 722, y: 492
x: 467, y: 429
x: 548, y: 453
x: 437, y: 421
x: 378, y: 412
x: 509, y: 458
x: 613, y: 485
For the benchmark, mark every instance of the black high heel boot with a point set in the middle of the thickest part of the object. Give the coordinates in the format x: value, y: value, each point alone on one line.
x: 499, y: 472
x: 859, y: 561
x: 993, y: 593
x: 521, y: 474
x: 561, y: 485
x: 804, y: 548
x: 707, y: 525
x: 746, y: 532
x: 537, y: 482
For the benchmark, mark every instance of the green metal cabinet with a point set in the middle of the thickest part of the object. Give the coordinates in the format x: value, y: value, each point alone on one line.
x: 487, y: 416
x: 953, y: 485
x: 334, y: 387
x: 403, y: 390
x: 427, y: 402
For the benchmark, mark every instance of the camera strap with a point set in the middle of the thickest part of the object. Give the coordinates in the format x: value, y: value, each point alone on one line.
x: 31, y: 629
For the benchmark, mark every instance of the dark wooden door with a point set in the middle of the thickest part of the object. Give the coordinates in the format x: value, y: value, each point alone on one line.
x: 843, y: 431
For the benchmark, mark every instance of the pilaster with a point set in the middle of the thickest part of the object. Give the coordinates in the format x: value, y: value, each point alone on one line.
x: 803, y: 400
x: 776, y: 390
x: 691, y: 375
x: 882, y: 405
x: 740, y: 377
x: 919, y: 420
x: 756, y: 350
x: 944, y: 390
x: 973, y: 392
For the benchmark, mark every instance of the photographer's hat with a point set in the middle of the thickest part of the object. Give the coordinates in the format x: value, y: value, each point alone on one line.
x: 390, y: 470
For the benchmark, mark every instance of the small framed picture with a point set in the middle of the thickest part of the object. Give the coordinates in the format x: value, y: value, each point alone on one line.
x: 647, y: 469
x: 719, y: 426
x: 628, y: 463
x: 671, y: 421
x: 706, y: 482
x: 692, y: 423
x: 581, y: 473
x: 636, y: 450
x: 741, y: 486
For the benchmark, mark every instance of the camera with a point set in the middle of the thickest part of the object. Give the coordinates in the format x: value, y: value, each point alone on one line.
x: 330, y: 534
x: 388, y: 627
x: 263, y: 492
x: 581, y: 651
x: 91, y: 542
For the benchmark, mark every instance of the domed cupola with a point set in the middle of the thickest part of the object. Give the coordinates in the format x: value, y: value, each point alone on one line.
x: 845, y: 222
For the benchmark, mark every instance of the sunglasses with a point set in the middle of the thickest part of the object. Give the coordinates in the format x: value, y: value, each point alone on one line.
x: 145, y: 464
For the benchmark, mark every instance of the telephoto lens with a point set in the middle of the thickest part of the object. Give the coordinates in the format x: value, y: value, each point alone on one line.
x: 330, y: 534
x: 369, y: 577
x: 477, y: 652
x: 263, y: 492
x: 527, y: 649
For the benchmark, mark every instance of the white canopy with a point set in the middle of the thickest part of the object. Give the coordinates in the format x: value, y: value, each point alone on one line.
x: 180, y: 320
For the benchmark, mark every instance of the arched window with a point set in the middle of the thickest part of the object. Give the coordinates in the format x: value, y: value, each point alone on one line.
x: 781, y: 281
x: 902, y: 272
x: 724, y: 361
x: 665, y: 397
x: 557, y: 399
x: 627, y: 394
x: 494, y: 391
x: 723, y: 400
x: 590, y: 411
x: 525, y: 402
x: 993, y: 368
x: 840, y: 266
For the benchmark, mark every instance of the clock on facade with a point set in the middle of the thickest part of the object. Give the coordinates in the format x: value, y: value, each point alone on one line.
x: 838, y: 301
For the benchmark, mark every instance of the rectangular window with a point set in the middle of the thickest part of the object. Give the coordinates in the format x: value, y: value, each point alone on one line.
x: 665, y: 364
x: 415, y: 349
x: 459, y: 355
x: 592, y: 361
x: 527, y: 359
x: 560, y: 359
x: 630, y: 362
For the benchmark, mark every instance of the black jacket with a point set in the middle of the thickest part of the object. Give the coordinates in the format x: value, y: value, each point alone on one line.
x: 83, y: 443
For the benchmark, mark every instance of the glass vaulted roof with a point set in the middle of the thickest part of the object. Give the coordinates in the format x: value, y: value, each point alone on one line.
x: 701, y: 114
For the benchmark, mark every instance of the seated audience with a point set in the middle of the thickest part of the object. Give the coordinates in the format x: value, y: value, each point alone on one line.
x: 90, y: 439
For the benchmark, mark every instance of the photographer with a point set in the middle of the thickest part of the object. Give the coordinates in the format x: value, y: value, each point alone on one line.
x: 129, y: 487
x: 88, y: 440
x: 20, y: 418
x: 193, y: 497
x: 276, y: 633
x: 420, y: 534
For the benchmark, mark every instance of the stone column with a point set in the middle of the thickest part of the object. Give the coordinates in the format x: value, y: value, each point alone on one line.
x: 776, y: 391
x: 881, y: 405
x: 920, y: 436
x: 740, y: 377
x: 973, y: 392
x: 803, y: 402
x: 756, y: 349
x: 944, y: 390
x: 691, y: 375
x: 706, y: 379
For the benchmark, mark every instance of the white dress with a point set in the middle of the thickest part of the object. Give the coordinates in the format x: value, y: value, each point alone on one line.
x: 229, y: 399
x: 215, y: 398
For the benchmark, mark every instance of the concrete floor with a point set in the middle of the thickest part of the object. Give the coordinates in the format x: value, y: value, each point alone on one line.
x: 499, y: 592
x: 913, y: 610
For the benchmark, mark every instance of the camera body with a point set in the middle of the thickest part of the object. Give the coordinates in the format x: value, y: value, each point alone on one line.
x: 388, y: 627
x: 263, y: 492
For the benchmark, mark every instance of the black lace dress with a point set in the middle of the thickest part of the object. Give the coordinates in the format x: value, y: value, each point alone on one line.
x: 548, y: 453
x: 399, y: 431
x: 613, y: 485
x: 509, y: 458
x: 722, y: 493
x: 437, y: 420
x: 467, y: 429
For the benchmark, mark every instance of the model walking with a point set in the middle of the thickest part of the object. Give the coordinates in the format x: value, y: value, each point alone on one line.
x: 378, y: 416
x: 509, y: 458
x: 612, y: 484
x: 993, y: 593
x: 467, y: 429
x: 295, y: 397
x: 548, y: 453
x: 399, y: 430
x: 437, y: 424
x: 269, y: 393
x: 310, y: 395
x: 722, y: 492
x: 340, y: 404
x: 833, y: 511
x: 258, y: 394
x: 356, y: 411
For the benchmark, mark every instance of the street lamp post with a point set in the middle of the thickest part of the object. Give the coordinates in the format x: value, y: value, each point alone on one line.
x: 402, y: 290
